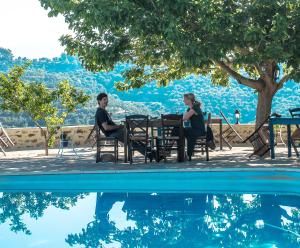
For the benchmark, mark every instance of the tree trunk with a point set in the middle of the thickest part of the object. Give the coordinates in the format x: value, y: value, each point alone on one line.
x: 264, y: 104
x: 46, y: 148
x: 46, y: 144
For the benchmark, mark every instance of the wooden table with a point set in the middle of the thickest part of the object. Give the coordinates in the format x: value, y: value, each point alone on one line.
x: 287, y: 121
x: 156, y: 123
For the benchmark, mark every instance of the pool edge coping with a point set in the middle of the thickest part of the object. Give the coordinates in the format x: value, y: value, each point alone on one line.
x: 164, y: 170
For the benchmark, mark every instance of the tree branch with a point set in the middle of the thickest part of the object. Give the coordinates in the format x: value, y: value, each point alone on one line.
x: 252, y: 83
x: 257, y: 67
x: 282, y: 81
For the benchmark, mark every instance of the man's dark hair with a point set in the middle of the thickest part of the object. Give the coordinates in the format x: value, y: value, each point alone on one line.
x: 101, y: 96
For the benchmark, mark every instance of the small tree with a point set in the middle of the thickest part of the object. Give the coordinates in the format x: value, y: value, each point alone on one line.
x: 48, y: 108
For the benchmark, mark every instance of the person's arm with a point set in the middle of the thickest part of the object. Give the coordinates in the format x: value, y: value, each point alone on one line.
x: 188, y: 114
x: 108, y: 127
x: 102, y: 120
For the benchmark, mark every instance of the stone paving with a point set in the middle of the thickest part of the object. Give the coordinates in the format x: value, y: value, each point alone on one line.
x: 34, y: 162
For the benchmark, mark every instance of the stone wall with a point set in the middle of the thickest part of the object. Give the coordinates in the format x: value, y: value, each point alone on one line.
x: 32, y: 138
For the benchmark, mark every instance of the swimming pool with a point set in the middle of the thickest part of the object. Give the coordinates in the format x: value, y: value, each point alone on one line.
x: 283, y: 181
x: 253, y: 208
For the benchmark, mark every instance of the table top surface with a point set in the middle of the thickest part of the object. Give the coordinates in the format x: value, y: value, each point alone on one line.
x: 156, y: 122
x: 284, y: 120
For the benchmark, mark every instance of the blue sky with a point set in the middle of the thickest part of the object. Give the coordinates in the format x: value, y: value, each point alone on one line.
x: 26, y: 29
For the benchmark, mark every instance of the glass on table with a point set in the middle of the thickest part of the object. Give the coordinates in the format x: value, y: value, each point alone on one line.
x: 187, y: 123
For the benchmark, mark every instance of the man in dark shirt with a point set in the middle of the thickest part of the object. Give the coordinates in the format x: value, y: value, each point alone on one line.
x: 104, y: 121
x: 108, y: 127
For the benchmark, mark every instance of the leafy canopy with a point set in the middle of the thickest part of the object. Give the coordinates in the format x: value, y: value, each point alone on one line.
x: 179, y: 37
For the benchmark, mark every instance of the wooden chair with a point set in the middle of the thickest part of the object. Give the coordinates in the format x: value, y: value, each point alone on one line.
x: 295, y: 113
x: 5, y: 140
x: 171, y: 135
x: 229, y: 133
x: 103, y: 142
x: 260, y: 140
x: 138, y: 133
x: 202, y: 142
x: 92, y: 136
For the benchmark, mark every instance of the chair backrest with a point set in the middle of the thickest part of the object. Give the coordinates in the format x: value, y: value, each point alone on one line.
x: 137, y: 126
x: 98, y: 136
x: 208, y: 123
x: 2, y: 131
x: 168, y: 122
x: 295, y: 113
x: 226, y: 120
x: 4, y: 135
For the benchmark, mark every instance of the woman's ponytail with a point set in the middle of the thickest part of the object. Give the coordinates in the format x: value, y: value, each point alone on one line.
x: 192, y: 98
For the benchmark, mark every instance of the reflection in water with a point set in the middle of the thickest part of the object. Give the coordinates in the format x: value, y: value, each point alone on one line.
x: 166, y: 220
x: 14, y: 205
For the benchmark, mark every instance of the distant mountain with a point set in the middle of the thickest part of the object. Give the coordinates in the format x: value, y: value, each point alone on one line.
x: 149, y: 99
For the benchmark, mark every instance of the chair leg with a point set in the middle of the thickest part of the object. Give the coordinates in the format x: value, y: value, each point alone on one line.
x: 76, y: 154
x: 207, y: 152
x: 58, y: 153
x: 62, y: 151
x: 130, y: 152
x: 157, y: 150
x: 2, y: 150
x: 295, y: 147
x: 98, y: 155
x: 117, y: 150
x: 165, y: 157
x: 146, y: 156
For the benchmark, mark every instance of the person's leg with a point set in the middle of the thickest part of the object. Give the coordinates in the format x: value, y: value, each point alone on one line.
x: 191, y: 137
x: 118, y: 134
x: 138, y: 146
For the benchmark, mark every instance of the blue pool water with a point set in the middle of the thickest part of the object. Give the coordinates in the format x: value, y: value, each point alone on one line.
x: 220, y: 209
x: 148, y: 220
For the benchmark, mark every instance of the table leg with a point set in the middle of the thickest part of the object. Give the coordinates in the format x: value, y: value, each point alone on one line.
x: 221, y: 131
x: 125, y: 145
x: 289, y: 140
x: 271, y: 130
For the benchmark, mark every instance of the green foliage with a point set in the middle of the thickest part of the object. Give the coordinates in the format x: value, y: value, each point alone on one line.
x: 46, y: 107
x: 5, y: 55
x: 180, y: 37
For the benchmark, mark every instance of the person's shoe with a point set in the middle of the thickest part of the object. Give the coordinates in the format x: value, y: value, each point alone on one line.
x: 211, y: 144
x: 159, y: 158
x: 152, y: 156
